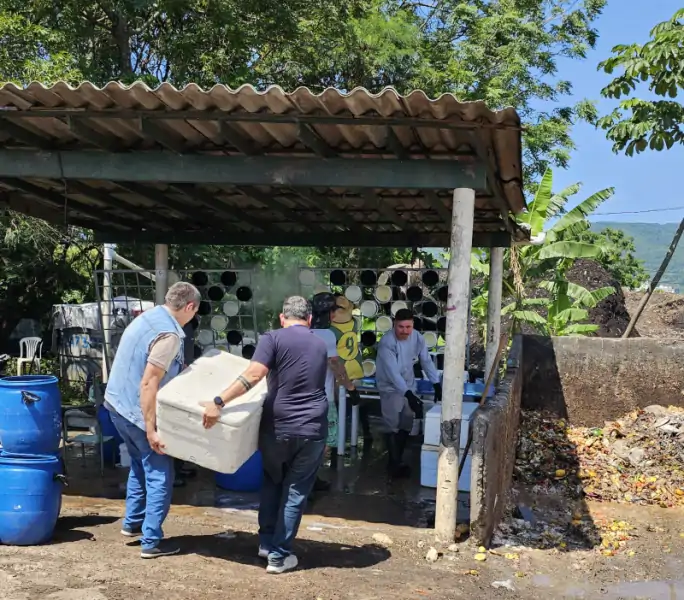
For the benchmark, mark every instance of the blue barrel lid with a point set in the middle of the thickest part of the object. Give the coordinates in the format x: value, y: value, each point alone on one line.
x: 26, y: 459
x: 20, y: 381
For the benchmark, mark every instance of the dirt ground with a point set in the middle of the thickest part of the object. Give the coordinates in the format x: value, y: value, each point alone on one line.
x: 89, y: 560
x: 663, y: 316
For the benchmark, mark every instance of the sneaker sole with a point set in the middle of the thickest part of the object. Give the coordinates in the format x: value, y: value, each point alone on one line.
x: 151, y: 556
x: 130, y: 534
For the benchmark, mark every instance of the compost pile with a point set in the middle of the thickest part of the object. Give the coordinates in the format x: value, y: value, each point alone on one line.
x: 637, y: 459
x: 611, y: 314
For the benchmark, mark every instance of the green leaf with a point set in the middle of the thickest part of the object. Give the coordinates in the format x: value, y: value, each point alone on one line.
x: 580, y: 329
x: 570, y: 250
x: 575, y: 222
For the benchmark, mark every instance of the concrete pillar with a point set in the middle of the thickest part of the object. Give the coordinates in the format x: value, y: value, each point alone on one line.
x: 161, y: 266
x: 494, y: 307
x: 458, y: 279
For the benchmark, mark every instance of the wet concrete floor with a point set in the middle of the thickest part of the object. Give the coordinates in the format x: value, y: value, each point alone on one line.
x: 359, y: 489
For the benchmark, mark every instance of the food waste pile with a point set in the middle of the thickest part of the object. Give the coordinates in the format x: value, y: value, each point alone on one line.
x: 636, y: 459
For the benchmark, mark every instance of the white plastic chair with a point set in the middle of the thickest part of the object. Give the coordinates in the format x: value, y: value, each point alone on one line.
x: 30, y: 349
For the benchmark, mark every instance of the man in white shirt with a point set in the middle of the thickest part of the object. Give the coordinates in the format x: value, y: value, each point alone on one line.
x: 398, y: 350
x: 323, y: 306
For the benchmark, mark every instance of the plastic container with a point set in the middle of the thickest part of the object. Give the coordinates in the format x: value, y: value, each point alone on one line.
x: 246, y: 479
x: 428, y: 468
x: 433, y: 419
x: 110, y: 450
x: 233, y: 440
x: 30, y: 498
x: 30, y: 414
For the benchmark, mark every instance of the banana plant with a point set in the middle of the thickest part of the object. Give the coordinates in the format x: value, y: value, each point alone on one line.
x: 546, y: 264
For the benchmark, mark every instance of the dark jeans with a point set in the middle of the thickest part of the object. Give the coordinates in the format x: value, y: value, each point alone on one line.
x: 290, y: 466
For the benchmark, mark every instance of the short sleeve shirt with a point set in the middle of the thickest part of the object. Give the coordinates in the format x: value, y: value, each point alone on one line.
x: 164, y: 350
x: 331, y: 345
x: 296, y: 404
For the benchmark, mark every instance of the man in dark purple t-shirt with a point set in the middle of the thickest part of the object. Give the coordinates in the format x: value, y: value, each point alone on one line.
x: 294, y: 426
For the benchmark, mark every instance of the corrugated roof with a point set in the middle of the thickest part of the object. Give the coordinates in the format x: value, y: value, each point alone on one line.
x: 355, y: 125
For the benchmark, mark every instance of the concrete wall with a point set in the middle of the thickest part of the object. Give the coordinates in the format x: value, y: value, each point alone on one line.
x: 592, y: 380
x: 495, y: 430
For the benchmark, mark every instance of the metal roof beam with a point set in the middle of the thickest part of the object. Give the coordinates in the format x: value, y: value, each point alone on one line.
x: 388, y: 212
x: 264, y: 117
x: 221, y: 209
x: 59, y: 201
x: 365, y: 239
x: 394, y: 143
x: 327, y: 206
x: 238, y: 140
x: 23, y: 135
x: 438, y: 206
x: 161, y: 134
x: 239, y: 170
x: 106, y: 198
x: 83, y: 131
x: 278, y: 206
x: 315, y: 142
x: 43, y: 209
x: 163, y: 201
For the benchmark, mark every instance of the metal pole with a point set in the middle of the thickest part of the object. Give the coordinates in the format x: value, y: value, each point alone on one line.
x: 655, y: 281
x: 161, y: 265
x: 458, y: 280
x: 106, y: 307
x: 342, y: 422
x: 494, y: 307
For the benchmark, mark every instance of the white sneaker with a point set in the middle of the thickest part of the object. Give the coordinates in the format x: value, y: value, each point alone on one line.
x: 263, y: 552
x: 289, y: 563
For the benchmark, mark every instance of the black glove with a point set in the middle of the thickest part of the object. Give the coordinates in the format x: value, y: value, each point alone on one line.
x: 438, y: 392
x: 354, y: 397
x: 415, y: 404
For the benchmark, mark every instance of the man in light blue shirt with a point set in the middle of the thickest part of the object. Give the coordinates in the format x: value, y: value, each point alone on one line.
x: 395, y: 380
x: 149, y: 355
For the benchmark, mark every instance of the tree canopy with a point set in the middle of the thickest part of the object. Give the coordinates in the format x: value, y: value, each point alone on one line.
x: 638, y: 124
x: 503, y: 52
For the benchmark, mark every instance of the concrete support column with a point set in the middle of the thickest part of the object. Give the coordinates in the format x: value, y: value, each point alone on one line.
x: 458, y: 280
x: 494, y: 307
x: 161, y: 266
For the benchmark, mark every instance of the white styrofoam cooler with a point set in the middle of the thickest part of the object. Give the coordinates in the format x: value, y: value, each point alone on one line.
x: 227, y: 445
x: 433, y: 420
x: 428, y: 468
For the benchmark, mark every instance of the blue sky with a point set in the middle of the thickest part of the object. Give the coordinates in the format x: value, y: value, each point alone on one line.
x: 650, y: 180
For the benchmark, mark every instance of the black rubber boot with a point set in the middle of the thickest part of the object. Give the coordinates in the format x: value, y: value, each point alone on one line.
x: 395, y: 468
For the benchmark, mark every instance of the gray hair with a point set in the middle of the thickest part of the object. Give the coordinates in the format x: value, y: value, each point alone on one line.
x: 296, y: 307
x: 181, y: 294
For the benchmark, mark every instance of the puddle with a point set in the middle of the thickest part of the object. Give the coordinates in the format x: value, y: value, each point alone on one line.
x: 646, y: 590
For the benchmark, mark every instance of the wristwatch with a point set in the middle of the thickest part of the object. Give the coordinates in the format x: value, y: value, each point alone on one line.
x: 220, y: 403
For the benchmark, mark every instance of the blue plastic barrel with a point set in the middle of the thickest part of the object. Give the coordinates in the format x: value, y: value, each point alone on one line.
x: 110, y: 450
x: 30, y: 414
x: 246, y: 479
x: 30, y: 498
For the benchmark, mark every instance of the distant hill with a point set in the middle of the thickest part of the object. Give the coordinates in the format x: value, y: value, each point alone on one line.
x: 651, y: 241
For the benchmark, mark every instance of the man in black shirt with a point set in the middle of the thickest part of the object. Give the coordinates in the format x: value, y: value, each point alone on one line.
x: 294, y: 426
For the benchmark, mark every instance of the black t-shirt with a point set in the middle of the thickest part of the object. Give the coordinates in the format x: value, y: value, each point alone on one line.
x: 296, y: 404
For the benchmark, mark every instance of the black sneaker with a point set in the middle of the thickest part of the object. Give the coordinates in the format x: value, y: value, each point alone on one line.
x: 131, y: 532
x: 163, y: 549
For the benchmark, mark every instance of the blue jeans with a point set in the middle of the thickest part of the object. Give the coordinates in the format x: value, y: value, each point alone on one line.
x: 150, y: 484
x: 290, y: 466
